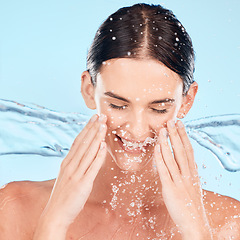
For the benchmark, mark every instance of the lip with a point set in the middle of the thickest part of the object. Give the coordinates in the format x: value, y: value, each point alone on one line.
x: 129, y: 140
x: 126, y: 149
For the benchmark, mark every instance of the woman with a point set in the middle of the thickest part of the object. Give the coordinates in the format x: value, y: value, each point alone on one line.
x: 122, y: 178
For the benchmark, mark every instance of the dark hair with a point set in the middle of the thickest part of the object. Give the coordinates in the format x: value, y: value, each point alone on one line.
x: 142, y: 31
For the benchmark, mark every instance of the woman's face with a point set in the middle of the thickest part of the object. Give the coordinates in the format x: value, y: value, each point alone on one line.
x: 138, y: 97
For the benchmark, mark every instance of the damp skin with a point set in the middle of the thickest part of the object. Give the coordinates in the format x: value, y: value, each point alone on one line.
x: 137, y: 117
x: 135, y: 197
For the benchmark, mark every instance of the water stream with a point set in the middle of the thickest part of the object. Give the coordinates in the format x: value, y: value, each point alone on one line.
x: 32, y: 129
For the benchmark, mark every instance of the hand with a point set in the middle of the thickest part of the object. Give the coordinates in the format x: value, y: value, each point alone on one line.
x: 181, y: 186
x: 77, y: 173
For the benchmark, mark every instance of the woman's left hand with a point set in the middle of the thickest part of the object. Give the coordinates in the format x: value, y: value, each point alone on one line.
x: 181, y: 186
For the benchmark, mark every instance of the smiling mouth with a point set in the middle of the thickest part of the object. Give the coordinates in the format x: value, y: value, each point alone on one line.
x: 134, y: 146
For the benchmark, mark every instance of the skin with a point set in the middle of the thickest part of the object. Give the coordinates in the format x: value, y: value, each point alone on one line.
x: 106, y: 191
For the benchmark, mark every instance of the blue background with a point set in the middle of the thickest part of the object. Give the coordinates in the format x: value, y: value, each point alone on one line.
x: 43, y: 48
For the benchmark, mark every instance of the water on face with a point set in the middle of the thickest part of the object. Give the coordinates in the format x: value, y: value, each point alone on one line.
x: 31, y: 129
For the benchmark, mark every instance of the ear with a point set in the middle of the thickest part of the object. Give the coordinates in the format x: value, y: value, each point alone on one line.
x: 188, y: 100
x: 88, y: 90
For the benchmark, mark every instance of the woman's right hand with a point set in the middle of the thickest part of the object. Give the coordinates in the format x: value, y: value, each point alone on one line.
x: 75, y: 180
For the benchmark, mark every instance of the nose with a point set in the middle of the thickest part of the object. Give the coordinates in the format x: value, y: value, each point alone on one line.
x: 138, y: 125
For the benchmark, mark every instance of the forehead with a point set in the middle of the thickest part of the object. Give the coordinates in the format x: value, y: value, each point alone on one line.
x: 138, y: 77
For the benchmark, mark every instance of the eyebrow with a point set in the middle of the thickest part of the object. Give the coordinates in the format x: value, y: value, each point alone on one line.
x: 113, y: 95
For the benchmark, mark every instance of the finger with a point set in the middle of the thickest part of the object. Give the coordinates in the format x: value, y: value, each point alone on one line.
x: 178, y: 149
x: 92, y: 151
x: 189, y: 149
x: 84, y: 143
x: 168, y: 156
x: 79, y: 139
x: 97, y: 163
x: 164, y: 174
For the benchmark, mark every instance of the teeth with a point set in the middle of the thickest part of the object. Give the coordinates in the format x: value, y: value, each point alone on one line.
x: 133, y: 145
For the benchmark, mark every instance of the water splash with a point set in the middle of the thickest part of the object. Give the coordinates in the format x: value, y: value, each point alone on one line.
x: 32, y: 129
x: 221, y: 135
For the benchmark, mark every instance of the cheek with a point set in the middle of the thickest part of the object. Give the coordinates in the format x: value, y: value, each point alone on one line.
x: 159, y: 121
x: 115, y: 118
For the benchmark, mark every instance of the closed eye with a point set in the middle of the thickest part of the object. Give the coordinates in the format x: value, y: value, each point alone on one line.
x: 117, y: 107
x: 122, y: 107
x: 159, y: 110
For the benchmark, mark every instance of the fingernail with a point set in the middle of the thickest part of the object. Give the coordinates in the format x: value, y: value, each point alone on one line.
x: 102, y: 117
x: 171, y: 123
x: 164, y: 132
x: 180, y: 124
x: 94, y: 118
x: 102, y: 126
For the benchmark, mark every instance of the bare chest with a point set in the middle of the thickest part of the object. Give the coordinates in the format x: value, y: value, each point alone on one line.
x: 118, y: 230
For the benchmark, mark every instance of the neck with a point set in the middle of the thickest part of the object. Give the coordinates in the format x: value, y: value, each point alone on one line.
x: 125, y: 193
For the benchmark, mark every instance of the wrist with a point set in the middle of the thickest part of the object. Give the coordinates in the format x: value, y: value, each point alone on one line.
x: 49, y: 228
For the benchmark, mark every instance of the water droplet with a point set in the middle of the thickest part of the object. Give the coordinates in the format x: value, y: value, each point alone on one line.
x: 111, y: 19
x: 132, y: 204
x: 114, y: 38
x: 129, y: 53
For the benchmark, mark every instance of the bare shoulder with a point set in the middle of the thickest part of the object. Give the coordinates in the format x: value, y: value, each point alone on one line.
x: 21, y: 204
x: 224, y: 214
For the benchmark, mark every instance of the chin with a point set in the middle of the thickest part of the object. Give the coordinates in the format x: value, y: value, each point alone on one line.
x: 131, y: 162
x: 128, y: 154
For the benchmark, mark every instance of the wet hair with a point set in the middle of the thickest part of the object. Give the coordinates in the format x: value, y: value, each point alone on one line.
x: 143, y: 31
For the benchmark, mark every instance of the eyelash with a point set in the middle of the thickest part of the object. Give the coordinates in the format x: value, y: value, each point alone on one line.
x: 117, y: 107
x: 123, y: 107
x: 159, y: 111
